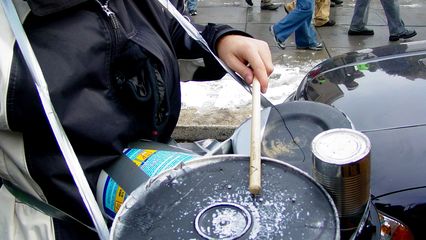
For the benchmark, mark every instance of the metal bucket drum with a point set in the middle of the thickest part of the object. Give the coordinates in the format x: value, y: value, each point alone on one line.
x: 208, y: 198
x: 288, y: 130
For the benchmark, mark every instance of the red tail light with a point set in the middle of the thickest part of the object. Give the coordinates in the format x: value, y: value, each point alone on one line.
x: 393, y: 229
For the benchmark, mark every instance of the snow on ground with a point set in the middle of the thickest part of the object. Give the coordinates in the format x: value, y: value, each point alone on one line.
x: 228, y: 93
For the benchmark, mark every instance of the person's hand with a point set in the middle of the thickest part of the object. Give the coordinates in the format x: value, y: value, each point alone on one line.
x: 248, y: 57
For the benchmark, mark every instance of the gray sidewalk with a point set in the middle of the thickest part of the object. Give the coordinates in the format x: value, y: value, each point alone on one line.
x: 220, y: 123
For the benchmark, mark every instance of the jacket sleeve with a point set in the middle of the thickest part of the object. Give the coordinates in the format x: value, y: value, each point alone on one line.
x: 188, y: 48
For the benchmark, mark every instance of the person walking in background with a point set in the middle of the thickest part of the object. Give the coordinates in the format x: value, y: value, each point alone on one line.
x: 396, y: 26
x: 265, y: 4
x: 191, y: 5
x: 322, y: 12
x: 299, y: 22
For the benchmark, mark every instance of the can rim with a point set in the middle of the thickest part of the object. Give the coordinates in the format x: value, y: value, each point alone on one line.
x: 353, y: 146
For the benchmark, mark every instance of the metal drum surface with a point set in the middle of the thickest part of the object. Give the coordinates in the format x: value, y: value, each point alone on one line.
x: 288, y: 130
x: 208, y: 198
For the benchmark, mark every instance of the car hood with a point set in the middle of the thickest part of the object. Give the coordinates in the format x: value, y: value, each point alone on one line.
x: 382, y: 91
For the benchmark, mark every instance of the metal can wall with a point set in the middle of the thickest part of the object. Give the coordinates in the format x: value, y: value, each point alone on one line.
x: 341, y: 163
x: 110, y: 195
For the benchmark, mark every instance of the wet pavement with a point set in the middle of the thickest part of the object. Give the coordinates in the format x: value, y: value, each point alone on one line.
x: 220, y: 123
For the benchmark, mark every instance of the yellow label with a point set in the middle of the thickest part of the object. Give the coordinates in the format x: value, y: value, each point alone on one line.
x: 119, y: 198
x: 142, y: 156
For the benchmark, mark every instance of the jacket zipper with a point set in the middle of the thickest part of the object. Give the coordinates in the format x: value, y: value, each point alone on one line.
x: 113, y: 20
x: 110, y: 14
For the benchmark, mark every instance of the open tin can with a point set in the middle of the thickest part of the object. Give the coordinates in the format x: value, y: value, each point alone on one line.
x: 341, y: 163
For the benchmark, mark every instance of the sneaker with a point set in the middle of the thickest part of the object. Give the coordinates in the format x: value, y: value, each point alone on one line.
x: 364, y: 31
x: 270, y: 6
x: 193, y: 12
x: 328, y: 24
x: 249, y: 2
x: 404, y: 35
x: 316, y: 47
x: 278, y: 42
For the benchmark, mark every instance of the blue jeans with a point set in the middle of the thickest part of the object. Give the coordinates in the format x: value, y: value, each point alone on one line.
x: 299, y: 22
x: 391, y: 8
x: 191, y: 5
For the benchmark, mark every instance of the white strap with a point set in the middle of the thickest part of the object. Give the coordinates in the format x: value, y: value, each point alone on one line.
x: 62, y: 139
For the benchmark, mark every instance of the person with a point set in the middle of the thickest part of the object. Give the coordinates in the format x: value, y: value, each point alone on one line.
x: 396, y: 26
x: 113, y: 78
x: 321, y: 15
x: 265, y: 4
x: 297, y: 21
x: 191, y: 5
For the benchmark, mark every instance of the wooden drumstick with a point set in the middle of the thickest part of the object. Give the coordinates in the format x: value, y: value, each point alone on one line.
x: 255, y: 162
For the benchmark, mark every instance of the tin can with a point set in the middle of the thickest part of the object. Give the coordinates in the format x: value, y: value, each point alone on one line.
x: 341, y: 163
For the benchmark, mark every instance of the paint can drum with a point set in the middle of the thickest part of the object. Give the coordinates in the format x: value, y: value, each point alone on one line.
x: 341, y: 164
x: 148, y: 157
x: 208, y: 198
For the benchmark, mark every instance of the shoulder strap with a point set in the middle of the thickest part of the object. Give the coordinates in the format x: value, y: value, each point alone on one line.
x: 59, y: 133
x: 41, y: 206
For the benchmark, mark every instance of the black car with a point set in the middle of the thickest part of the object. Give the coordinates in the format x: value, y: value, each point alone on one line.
x: 383, y: 92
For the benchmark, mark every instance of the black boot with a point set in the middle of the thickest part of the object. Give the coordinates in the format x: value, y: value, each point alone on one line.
x: 404, y: 35
x: 337, y: 2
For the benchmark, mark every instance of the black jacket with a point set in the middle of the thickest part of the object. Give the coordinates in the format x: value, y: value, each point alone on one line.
x: 112, y: 81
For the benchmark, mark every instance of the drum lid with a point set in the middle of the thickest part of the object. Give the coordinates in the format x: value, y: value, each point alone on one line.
x: 288, y: 132
x: 209, y: 199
